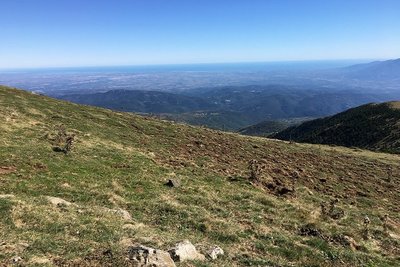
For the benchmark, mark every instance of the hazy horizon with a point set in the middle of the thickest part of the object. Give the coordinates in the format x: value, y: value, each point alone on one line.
x: 324, y: 63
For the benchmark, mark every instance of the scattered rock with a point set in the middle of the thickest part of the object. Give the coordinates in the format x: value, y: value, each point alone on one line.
x: 310, y: 230
x: 185, y: 251
x: 173, y: 183
x: 16, y: 259
x: 284, y: 190
x: 124, y: 214
x: 148, y: 257
x: 66, y: 185
x: 59, y: 202
x: 214, y: 252
x: 108, y: 253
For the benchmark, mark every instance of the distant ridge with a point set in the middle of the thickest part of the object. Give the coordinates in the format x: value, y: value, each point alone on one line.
x: 378, y: 70
x: 371, y: 126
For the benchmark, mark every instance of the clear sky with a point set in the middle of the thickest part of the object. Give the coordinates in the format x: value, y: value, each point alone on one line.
x: 45, y: 33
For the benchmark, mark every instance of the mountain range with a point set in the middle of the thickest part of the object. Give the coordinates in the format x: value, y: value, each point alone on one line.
x: 310, y: 94
x: 377, y: 70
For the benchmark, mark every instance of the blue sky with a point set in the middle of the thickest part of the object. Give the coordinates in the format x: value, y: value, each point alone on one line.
x: 46, y: 33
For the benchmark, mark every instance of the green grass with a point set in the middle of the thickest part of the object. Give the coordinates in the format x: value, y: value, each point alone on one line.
x: 122, y: 161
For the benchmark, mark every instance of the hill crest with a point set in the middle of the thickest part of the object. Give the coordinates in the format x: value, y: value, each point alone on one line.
x: 373, y: 126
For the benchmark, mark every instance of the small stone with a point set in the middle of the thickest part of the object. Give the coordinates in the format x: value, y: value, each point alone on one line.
x: 173, y: 183
x: 214, y: 252
x: 59, y: 202
x: 124, y: 214
x: 149, y: 257
x: 185, y: 251
x: 16, y: 259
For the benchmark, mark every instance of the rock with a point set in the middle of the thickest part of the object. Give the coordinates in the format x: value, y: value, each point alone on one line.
x: 16, y: 259
x: 185, y: 251
x: 173, y: 183
x: 310, y: 230
x: 284, y: 190
x: 59, y: 202
x: 124, y: 214
x: 214, y: 252
x: 143, y: 256
x: 66, y: 185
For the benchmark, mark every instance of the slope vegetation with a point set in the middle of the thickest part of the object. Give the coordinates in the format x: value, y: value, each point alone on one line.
x: 372, y: 126
x: 82, y: 208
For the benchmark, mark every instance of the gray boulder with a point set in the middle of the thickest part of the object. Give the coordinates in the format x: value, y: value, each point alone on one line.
x: 142, y: 256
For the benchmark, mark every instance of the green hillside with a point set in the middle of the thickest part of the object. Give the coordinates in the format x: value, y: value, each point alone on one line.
x: 371, y: 126
x: 112, y: 192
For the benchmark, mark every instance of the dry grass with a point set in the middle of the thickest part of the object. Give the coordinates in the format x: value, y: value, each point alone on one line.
x: 121, y: 162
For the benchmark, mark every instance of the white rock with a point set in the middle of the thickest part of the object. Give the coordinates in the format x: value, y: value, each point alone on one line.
x: 16, y: 259
x: 214, y: 252
x: 59, y: 202
x: 185, y: 251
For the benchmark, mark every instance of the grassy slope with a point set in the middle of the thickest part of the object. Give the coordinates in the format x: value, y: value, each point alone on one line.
x: 371, y: 126
x: 122, y: 161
